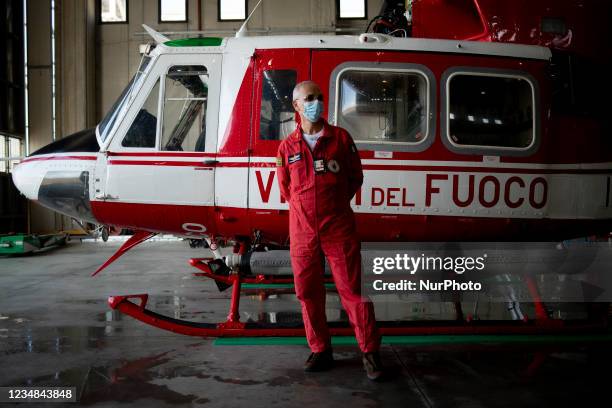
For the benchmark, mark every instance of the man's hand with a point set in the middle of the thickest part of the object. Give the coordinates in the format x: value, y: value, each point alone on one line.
x: 282, y: 174
x: 355, y: 171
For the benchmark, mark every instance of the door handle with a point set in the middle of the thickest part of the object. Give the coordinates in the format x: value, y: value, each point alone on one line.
x: 210, y: 162
x: 106, y: 197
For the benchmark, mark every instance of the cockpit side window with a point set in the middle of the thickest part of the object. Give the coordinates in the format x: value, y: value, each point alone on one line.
x: 184, y: 110
x: 143, y: 129
x: 277, y: 119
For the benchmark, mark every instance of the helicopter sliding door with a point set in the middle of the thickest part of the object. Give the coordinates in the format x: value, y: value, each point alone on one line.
x: 277, y: 71
x: 163, y: 162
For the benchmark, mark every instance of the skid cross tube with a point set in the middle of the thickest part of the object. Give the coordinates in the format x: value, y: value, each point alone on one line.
x: 202, y: 265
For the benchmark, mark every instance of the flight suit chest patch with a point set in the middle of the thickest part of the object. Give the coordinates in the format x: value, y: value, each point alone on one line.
x: 321, y: 166
x: 294, y: 158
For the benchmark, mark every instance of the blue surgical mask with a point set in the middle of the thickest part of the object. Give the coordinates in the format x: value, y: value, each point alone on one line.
x: 313, y: 110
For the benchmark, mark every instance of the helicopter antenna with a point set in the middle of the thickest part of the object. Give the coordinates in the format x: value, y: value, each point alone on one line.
x: 242, y: 31
x: 158, y: 37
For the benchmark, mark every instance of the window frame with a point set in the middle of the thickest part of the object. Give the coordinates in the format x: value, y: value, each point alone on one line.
x: 220, y: 20
x: 112, y: 139
x: 157, y: 124
x: 365, y: 9
x: 159, y: 65
x: 297, y: 81
x: 394, y: 67
x: 162, y: 104
x: 448, y: 75
x: 6, y: 165
x: 99, y: 13
x: 159, y: 14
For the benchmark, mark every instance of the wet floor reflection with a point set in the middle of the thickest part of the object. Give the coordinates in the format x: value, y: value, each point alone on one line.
x: 109, y: 361
x: 55, y: 340
x: 125, y: 381
x: 446, y: 376
x: 507, y: 376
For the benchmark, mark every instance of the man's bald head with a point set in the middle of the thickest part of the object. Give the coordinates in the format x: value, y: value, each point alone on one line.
x: 307, y: 92
x: 304, y: 88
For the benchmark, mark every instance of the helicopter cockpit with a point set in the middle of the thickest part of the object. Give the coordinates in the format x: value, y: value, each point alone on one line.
x: 165, y: 106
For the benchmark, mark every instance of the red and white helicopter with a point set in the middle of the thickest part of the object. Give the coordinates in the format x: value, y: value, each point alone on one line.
x: 474, y: 137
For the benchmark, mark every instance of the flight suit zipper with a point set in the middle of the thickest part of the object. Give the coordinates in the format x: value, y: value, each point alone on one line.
x: 304, y: 145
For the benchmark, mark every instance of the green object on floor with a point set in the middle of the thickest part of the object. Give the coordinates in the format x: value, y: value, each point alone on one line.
x: 19, y: 244
x: 421, y: 340
x: 277, y: 285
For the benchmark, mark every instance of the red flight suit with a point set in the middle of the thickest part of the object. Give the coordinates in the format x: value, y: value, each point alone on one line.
x: 321, y: 221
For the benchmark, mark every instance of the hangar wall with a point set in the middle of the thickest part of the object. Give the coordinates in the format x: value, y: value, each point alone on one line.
x: 75, y: 26
x: 13, y: 206
x: 40, y: 219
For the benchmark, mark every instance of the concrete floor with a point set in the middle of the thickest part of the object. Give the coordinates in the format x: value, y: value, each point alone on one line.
x: 56, y: 329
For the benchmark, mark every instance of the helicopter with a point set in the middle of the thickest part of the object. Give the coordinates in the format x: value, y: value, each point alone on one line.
x: 471, y: 136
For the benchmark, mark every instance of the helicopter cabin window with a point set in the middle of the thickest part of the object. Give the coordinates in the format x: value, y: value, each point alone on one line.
x: 490, y: 111
x: 185, y: 103
x: 383, y: 107
x: 277, y: 118
x: 142, y: 131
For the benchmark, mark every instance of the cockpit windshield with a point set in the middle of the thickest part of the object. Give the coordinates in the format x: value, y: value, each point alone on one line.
x: 108, y: 122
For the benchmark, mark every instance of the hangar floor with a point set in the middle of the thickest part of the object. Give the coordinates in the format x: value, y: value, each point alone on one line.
x: 56, y: 329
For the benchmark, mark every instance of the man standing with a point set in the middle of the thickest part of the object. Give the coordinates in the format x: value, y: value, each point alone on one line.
x: 319, y: 172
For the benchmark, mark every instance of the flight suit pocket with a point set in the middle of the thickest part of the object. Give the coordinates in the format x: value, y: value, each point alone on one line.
x: 298, y: 172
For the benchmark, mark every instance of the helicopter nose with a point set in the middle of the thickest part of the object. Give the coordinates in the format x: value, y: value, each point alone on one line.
x: 57, y: 176
x: 62, y: 186
x: 27, y: 180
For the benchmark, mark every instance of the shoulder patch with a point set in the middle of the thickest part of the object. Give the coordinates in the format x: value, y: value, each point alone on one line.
x: 279, y: 161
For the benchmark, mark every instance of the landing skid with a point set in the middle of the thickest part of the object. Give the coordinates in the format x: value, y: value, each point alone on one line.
x: 135, y: 306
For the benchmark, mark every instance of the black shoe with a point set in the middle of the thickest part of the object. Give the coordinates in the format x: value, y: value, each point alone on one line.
x: 322, y: 361
x: 373, y: 366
